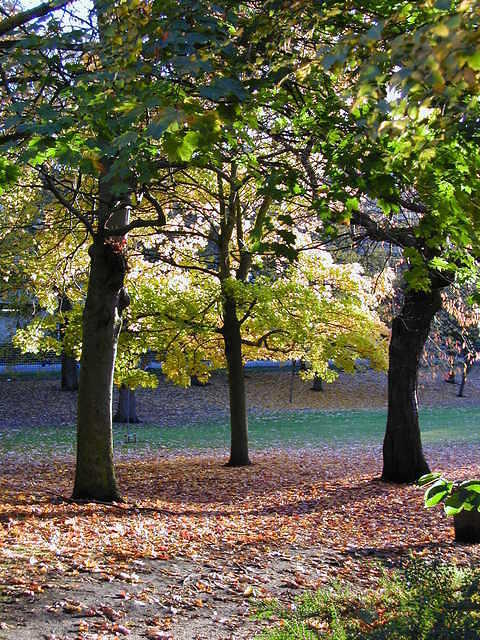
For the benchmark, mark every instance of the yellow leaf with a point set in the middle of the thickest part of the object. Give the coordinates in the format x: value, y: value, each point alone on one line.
x: 441, y: 30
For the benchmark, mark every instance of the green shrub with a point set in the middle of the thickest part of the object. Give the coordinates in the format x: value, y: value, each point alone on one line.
x: 456, y: 496
x: 425, y: 601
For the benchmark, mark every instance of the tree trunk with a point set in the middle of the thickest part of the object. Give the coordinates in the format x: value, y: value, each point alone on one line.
x: 467, y: 526
x: 461, y: 387
x: 106, y: 299
x: 465, y: 371
x: 403, y: 459
x: 236, y: 385
x: 195, y: 382
x: 292, y: 380
x: 317, y: 383
x: 127, y: 406
x: 69, y: 373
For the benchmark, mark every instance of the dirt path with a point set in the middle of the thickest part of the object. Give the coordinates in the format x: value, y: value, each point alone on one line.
x: 180, y: 599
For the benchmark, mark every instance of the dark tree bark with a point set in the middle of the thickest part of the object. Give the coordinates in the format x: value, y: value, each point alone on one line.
x: 195, y: 382
x: 126, y: 406
x: 467, y: 526
x: 236, y: 385
x: 69, y: 366
x: 292, y: 379
x: 461, y: 387
x: 403, y: 459
x: 106, y: 299
x: 69, y: 373
x: 465, y: 371
x: 317, y: 384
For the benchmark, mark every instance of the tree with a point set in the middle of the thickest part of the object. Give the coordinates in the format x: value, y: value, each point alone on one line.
x: 231, y: 211
x: 69, y: 371
x: 314, y: 309
x: 107, y: 94
x: 431, y: 145
x: 456, y: 333
x: 64, y: 130
x: 44, y: 267
x: 401, y: 158
x: 434, y: 245
x: 127, y: 406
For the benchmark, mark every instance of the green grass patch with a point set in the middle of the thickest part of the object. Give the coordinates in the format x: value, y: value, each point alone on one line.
x: 307, y: 429
x: 425, y: 601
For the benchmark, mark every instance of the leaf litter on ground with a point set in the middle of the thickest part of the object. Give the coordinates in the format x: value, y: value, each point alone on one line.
x: 195, y: 543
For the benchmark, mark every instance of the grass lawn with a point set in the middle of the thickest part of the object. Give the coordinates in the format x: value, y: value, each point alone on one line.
x: 296, y: 429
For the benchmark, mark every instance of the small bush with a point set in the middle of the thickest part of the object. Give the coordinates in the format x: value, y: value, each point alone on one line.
x: 425, y: 601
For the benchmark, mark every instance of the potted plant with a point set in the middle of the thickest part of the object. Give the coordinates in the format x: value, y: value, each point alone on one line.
x: 460, y: 500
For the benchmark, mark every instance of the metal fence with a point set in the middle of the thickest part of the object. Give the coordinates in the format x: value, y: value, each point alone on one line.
x: 12, y: 357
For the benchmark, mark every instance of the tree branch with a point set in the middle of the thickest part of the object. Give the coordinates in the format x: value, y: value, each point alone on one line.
x: 248, y: 312
x: 262, y: 340
x: 416, y: 207
x: 135, y: 224
x: 162, y: 220
x: 19, y: 19
x: 68, y: 205
x: 399, y: 237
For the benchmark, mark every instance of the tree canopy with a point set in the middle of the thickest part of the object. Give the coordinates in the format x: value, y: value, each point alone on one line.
x: 218, y: 142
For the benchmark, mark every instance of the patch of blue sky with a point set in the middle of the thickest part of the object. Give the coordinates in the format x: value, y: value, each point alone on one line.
x: 75, y: 10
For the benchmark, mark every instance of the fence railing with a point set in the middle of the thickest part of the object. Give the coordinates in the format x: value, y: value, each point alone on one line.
x: 10, y: 356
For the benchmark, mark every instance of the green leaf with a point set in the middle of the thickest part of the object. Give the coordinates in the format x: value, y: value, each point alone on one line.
x: 436, y: 493
x: 428, y: 478
x: 224, y: 88
x: 471, y: 485
x: 8, y: 174
x: 440, y: 264
x: 286, y: 219
x: 157, y: 128
x: 125, y: 139
x: 287, y: 236
x: 182, y: 148
x: 188, y: 145
x: 352, y: 204
x: 474, y: 61
x: 455, y: 503
x: 375, y: 32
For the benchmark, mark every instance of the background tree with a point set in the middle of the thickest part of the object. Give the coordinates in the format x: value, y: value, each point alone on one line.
x: 106, y: 99
x: 455, y: 335
x: 314, y: 310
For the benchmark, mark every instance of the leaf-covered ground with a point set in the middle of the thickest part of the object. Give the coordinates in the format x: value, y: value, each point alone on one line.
x: 196, y: 543
x: 35, y: 402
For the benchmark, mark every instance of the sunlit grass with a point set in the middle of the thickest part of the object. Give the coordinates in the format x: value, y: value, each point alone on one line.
x: 293, y: 430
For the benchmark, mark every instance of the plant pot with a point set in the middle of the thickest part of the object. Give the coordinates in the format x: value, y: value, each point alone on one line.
x: 467, y: 526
